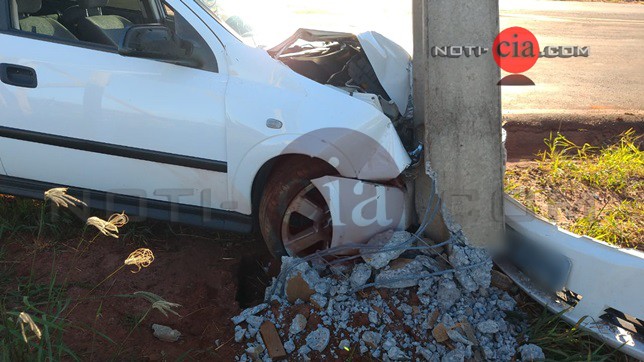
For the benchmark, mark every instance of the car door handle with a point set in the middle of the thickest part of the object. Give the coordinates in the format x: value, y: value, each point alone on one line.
x: 18, y: 75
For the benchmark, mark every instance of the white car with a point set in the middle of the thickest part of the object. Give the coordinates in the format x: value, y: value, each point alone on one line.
x: 161, y: 108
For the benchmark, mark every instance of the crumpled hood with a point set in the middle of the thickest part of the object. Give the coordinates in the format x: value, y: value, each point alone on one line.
x: 391, y: 63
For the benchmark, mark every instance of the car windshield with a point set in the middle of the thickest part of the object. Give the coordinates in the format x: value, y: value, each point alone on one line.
x: 255, y: 22
x: 228, y: 14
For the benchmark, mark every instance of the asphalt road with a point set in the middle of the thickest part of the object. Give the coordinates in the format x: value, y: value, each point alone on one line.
x: 609, y: 81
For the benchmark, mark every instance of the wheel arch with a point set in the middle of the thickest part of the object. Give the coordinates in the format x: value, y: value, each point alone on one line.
x: 263, y: 175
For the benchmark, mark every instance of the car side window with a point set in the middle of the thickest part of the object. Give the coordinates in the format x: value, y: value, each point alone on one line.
x: 104, y: 23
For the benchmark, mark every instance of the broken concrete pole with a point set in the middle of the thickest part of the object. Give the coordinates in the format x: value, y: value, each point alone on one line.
x: 459, y: 104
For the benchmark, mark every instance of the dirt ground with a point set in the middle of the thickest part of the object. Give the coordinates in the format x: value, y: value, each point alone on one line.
x: 204, y: 276
x: 212, y: 276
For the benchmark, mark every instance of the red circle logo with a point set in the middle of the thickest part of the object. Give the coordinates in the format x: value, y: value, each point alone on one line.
x: 515, y: 50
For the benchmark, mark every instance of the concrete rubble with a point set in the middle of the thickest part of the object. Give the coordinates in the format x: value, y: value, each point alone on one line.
x: 165, y: 333
x: 432, y: 304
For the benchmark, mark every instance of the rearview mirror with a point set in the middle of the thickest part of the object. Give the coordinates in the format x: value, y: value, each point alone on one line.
x: 158, y: 42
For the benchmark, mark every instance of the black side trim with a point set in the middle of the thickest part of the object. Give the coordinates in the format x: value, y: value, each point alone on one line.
x: 134, y: 206
x: 114, y: 150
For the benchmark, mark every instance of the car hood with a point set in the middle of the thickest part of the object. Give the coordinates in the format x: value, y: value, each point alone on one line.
x: 390, y: 62
x: 392, y: 65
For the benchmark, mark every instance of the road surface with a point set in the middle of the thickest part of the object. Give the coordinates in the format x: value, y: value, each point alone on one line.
x: 610, y: 80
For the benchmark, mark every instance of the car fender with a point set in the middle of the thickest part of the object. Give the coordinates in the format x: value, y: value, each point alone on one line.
x: 325, y: 144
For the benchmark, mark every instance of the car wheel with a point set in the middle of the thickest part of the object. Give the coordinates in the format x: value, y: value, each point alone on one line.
x: 294, y: 218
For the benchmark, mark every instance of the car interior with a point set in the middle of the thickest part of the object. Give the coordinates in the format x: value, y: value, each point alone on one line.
x: 96, y: 21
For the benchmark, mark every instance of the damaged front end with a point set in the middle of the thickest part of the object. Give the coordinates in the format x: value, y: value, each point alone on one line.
x: 367, y: 66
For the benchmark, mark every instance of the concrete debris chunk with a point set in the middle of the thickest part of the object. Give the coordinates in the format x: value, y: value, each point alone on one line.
x: 298, y: 324
x: 372, y: 339
x: 318, y: 339
x: 360, y: 275
x: 289, y: 346
x: 457, y: 355
x: 255, y: 350
x: 390, y: 241
x: 473, y: 266
x: 166, y: 333
x: 457, y: 337
x: 448, y: 293
x: 239, y: 333
x: 488, y: 327
x: 396, y: 354
x: 249, y: 312
x: 318, y: 300
x: 506, y: 303
x: 425, y: 285
x: 403, y: 277
x: 255, y: 321
x: 531, y: 352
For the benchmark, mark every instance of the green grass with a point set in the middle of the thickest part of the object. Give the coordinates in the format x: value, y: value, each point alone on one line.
x: 618, y: 167
x: 563, y: 342
x: 568, y: 176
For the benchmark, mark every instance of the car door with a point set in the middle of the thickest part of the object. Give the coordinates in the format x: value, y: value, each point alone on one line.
x: 98, y: 120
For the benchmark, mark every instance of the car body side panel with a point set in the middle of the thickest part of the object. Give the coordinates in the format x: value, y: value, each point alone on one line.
x: 106, y: 99
x: 316, y: 120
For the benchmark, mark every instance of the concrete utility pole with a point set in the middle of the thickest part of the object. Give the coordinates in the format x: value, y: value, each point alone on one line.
x: 458, y: 104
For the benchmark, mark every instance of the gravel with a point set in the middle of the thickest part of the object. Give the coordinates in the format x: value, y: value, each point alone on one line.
x: 393, y: 316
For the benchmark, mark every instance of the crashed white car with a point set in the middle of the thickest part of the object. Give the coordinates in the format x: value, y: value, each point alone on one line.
x: 158, y: 108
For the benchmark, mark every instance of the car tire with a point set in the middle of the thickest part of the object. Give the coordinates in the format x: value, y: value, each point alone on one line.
x: 290, y: 185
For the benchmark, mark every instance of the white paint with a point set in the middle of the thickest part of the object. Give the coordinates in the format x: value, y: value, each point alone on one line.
x: 103, y: 96
x: 392, y: 65
x: 604, y: 275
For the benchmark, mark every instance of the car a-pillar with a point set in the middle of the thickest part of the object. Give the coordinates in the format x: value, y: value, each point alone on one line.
x: 458, y: 114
